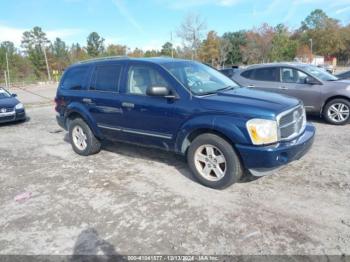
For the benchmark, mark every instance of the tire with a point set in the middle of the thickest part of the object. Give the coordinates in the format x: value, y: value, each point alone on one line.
x: 79, y: 131
x: 335, y: 105
x: 221, y: 175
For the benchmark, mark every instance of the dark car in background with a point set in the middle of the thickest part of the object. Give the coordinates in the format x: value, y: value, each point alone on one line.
x: 185, y: 107
x: 344, y: 75
x: 229, y: 72
x: 321, y: 92
x: 11, y: 109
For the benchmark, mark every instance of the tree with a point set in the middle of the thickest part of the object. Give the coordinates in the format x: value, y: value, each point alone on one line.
x: 283, y: 47
x: 34, y: 41
x: 225, y: 47
x: 167, y: 49
x: 259, y: 44
x: 210, y: 49
x: 95, y: 44
x: 77, y: 53
x: 137, y: 53
x: 60, y: 55
x: 325, y: 33
x: 191, y: 31
x: 116, y: 50
x: 237, y: 40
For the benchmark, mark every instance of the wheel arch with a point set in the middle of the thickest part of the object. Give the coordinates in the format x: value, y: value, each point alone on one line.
x: 332, y: 98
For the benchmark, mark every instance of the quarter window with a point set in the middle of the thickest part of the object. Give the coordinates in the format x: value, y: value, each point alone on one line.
x: 142, y: 77
x: 106, y: 78
x: 75, y: 78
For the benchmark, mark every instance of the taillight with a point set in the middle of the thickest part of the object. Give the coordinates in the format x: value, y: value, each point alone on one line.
x: 59, y: 102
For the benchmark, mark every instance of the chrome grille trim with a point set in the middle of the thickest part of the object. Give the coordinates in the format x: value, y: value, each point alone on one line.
x: 295, y: 126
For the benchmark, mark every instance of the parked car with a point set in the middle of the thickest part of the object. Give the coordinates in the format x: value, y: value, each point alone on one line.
x: 229, y: 72
x: 322, y: 93
x: 185, y: 107
x: 344, y: 75
x: 10, y: 108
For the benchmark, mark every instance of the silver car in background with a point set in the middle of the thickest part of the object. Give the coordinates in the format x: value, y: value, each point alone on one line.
x: 321, y: 92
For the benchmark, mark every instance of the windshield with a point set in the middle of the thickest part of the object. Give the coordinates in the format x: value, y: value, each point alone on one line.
x: 4, y: 93
x: 199, y: 78
x: 319, y: 73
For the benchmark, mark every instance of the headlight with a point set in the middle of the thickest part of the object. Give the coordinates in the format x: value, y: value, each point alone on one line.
x: 262, y: 131
x: 19, y: 106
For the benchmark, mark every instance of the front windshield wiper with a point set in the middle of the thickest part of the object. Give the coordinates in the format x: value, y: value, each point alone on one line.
x: 217, y: 90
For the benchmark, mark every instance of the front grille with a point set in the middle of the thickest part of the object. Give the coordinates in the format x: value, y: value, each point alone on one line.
x: 6, y: 109
x: 292, y: 123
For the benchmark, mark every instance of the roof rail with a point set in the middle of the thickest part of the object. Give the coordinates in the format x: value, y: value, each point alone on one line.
x: 103, y: 59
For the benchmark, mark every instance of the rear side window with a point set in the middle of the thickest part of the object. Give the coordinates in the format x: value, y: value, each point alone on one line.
x: 106, y: 78
x: 267, y: 74
x: 75, y: 78
x: 263, y: 74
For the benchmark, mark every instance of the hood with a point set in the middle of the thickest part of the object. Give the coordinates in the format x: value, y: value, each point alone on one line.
x: 8, y: 102
x: 338, y: 83
x: 248, y: 102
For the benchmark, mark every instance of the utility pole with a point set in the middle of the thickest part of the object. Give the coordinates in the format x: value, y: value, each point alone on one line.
x: 312, y: 56
x: 8, y: 71
x: 172, y: 46
x: 47, y: 64
x: 5, y: 75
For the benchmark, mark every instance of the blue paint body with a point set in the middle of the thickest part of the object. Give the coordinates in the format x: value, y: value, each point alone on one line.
x: 170, y: 124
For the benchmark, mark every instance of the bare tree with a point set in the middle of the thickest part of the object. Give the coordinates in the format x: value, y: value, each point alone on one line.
x: 224, y: 49
x: 192, y: 31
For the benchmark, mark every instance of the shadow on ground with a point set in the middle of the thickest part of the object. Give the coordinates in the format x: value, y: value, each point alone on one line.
x: 89, y: 246
x: 157, y: 155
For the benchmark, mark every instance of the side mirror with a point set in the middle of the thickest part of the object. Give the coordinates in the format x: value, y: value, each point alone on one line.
x: 14, y: 95
x: 158, y: 91
x: 311, y: 81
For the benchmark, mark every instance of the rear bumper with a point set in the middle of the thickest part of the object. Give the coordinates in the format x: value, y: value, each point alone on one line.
x: 61, y: 121
x: 270, y: 157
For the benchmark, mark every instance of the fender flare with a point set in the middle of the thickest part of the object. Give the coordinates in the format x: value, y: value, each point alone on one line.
x: 231, y: 127
x: 77, y: 108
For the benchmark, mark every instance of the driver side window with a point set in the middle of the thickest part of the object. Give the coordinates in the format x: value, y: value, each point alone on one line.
x: 142, y: 77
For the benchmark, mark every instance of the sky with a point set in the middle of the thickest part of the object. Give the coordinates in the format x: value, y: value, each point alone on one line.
x: 148, y: 24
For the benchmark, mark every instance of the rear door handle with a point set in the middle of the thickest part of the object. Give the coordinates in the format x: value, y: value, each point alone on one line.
x: 251, y: 85
x: 87, y: 101
x: 283, y: 87
x: 128, y: 105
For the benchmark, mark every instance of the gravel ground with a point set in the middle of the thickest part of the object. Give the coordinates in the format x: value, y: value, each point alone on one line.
x: 131, y: 200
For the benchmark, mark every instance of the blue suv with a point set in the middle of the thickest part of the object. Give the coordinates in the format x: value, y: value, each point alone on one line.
x: 185, y: 107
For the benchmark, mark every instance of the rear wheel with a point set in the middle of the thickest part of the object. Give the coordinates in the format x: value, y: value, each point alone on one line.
x: 337, y: 111
x: 82, y: 139
x: 213, y: 161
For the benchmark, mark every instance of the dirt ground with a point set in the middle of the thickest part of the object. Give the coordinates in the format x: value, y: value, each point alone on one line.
x: 131, y: 200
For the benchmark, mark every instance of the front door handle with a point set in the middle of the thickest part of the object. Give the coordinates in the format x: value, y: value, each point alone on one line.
x: 283, y: 87
x: 128, y: 105
x: 251, y: 86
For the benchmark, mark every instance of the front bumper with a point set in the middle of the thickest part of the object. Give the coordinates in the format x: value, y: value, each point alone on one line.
x: 265, y: 158
x: 17, y: 115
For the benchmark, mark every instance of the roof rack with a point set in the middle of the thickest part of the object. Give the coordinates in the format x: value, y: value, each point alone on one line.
x: 103, y: 59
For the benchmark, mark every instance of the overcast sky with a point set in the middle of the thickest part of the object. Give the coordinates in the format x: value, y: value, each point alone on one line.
x: 147, y: 24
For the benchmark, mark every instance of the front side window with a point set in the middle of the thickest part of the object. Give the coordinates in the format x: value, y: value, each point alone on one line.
x: 106, y: 78
x: 75, y: 78
x: 291, y: 75
x: 199, y: 78
x: 266, y: 74
x: 141, y: 77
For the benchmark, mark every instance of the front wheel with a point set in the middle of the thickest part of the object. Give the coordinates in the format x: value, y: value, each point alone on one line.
x: 337, y: 111
x: 213, y: 161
